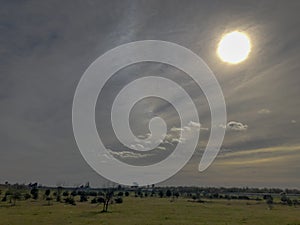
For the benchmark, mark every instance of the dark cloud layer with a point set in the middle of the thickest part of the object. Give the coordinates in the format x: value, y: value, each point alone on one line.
x: 45, y: 46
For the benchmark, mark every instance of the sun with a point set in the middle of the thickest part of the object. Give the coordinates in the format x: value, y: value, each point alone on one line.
x: 234, y: 47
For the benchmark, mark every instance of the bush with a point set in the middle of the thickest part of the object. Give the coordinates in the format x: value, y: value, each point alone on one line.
x: 8, y: 192
x: 161, y: 194
x: 94, y: 201
x: 168, y: 193
x: 74, y: 193
x: 176, y: 194
x: 100, y: 200
x: 49, y: 199
x: 119, y: 200
x: 47, y: 192
x: 243, y: 197
x: 83, y: 198
x: 4, y: 199
x: 269, y: 201
x: 27, y: 196
x: 289, y: 202
x: 70, y: 201
x: 296, y: 202
x: 92, y: 193
x: 58, y: 198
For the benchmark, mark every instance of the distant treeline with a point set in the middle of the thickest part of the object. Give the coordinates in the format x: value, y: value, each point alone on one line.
x: 152, y: 188
x: 115, y: 193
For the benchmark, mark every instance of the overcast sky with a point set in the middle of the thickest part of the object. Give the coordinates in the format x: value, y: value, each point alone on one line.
x: 45, y: 47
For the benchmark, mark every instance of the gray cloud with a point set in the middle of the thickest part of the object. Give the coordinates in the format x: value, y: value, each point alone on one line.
x: 264, y: 111
x: 128, y: 154
x: 236, y: 126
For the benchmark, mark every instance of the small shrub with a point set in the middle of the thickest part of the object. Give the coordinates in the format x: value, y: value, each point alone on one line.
x: 92, y: 193
x: 119, y: 200
x: 4, y: 199
x: 27, y: 196
x: 83, y: 198
x: 70, y: 200
x: 100, y: 200
x: 94, y: 201
x: 74, y: 193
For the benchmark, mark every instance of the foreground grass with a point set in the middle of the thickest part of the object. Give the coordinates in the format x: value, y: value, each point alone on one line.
x: 150, y: 211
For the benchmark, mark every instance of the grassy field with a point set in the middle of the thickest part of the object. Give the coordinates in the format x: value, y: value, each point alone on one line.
x: 156, y: 211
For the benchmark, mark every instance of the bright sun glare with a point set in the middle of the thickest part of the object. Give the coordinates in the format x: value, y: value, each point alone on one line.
x: 234, y: 47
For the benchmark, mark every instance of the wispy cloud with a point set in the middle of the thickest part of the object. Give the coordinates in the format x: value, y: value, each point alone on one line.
x: 259, y: 156
x: 264, y: 111
x: 271, y: 150
x: 129, y: 154
x: 251, y: 161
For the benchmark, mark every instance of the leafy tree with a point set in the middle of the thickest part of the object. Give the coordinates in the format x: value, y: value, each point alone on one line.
x: 126, y: 193
x: 58, y: 198
x: 65, y: 193
x: 139, y: 193
x: 176, y: 194
x: 270, y: 202
x: 296, y: 202
x: 47, y: 194
x: 35, y: 193
x: 284, y: 199
x: 57, y: 194
x: 15, y: 196
x: 289, y: 202
x: 161, y: 194
x: 49, y: 199
x: 168, y: 193
x: 83, y: 197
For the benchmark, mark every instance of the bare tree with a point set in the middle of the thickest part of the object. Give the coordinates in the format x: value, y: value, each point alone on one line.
x: 107, y: 199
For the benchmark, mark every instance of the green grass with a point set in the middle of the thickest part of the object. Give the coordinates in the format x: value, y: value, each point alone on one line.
x: 150, y: 211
